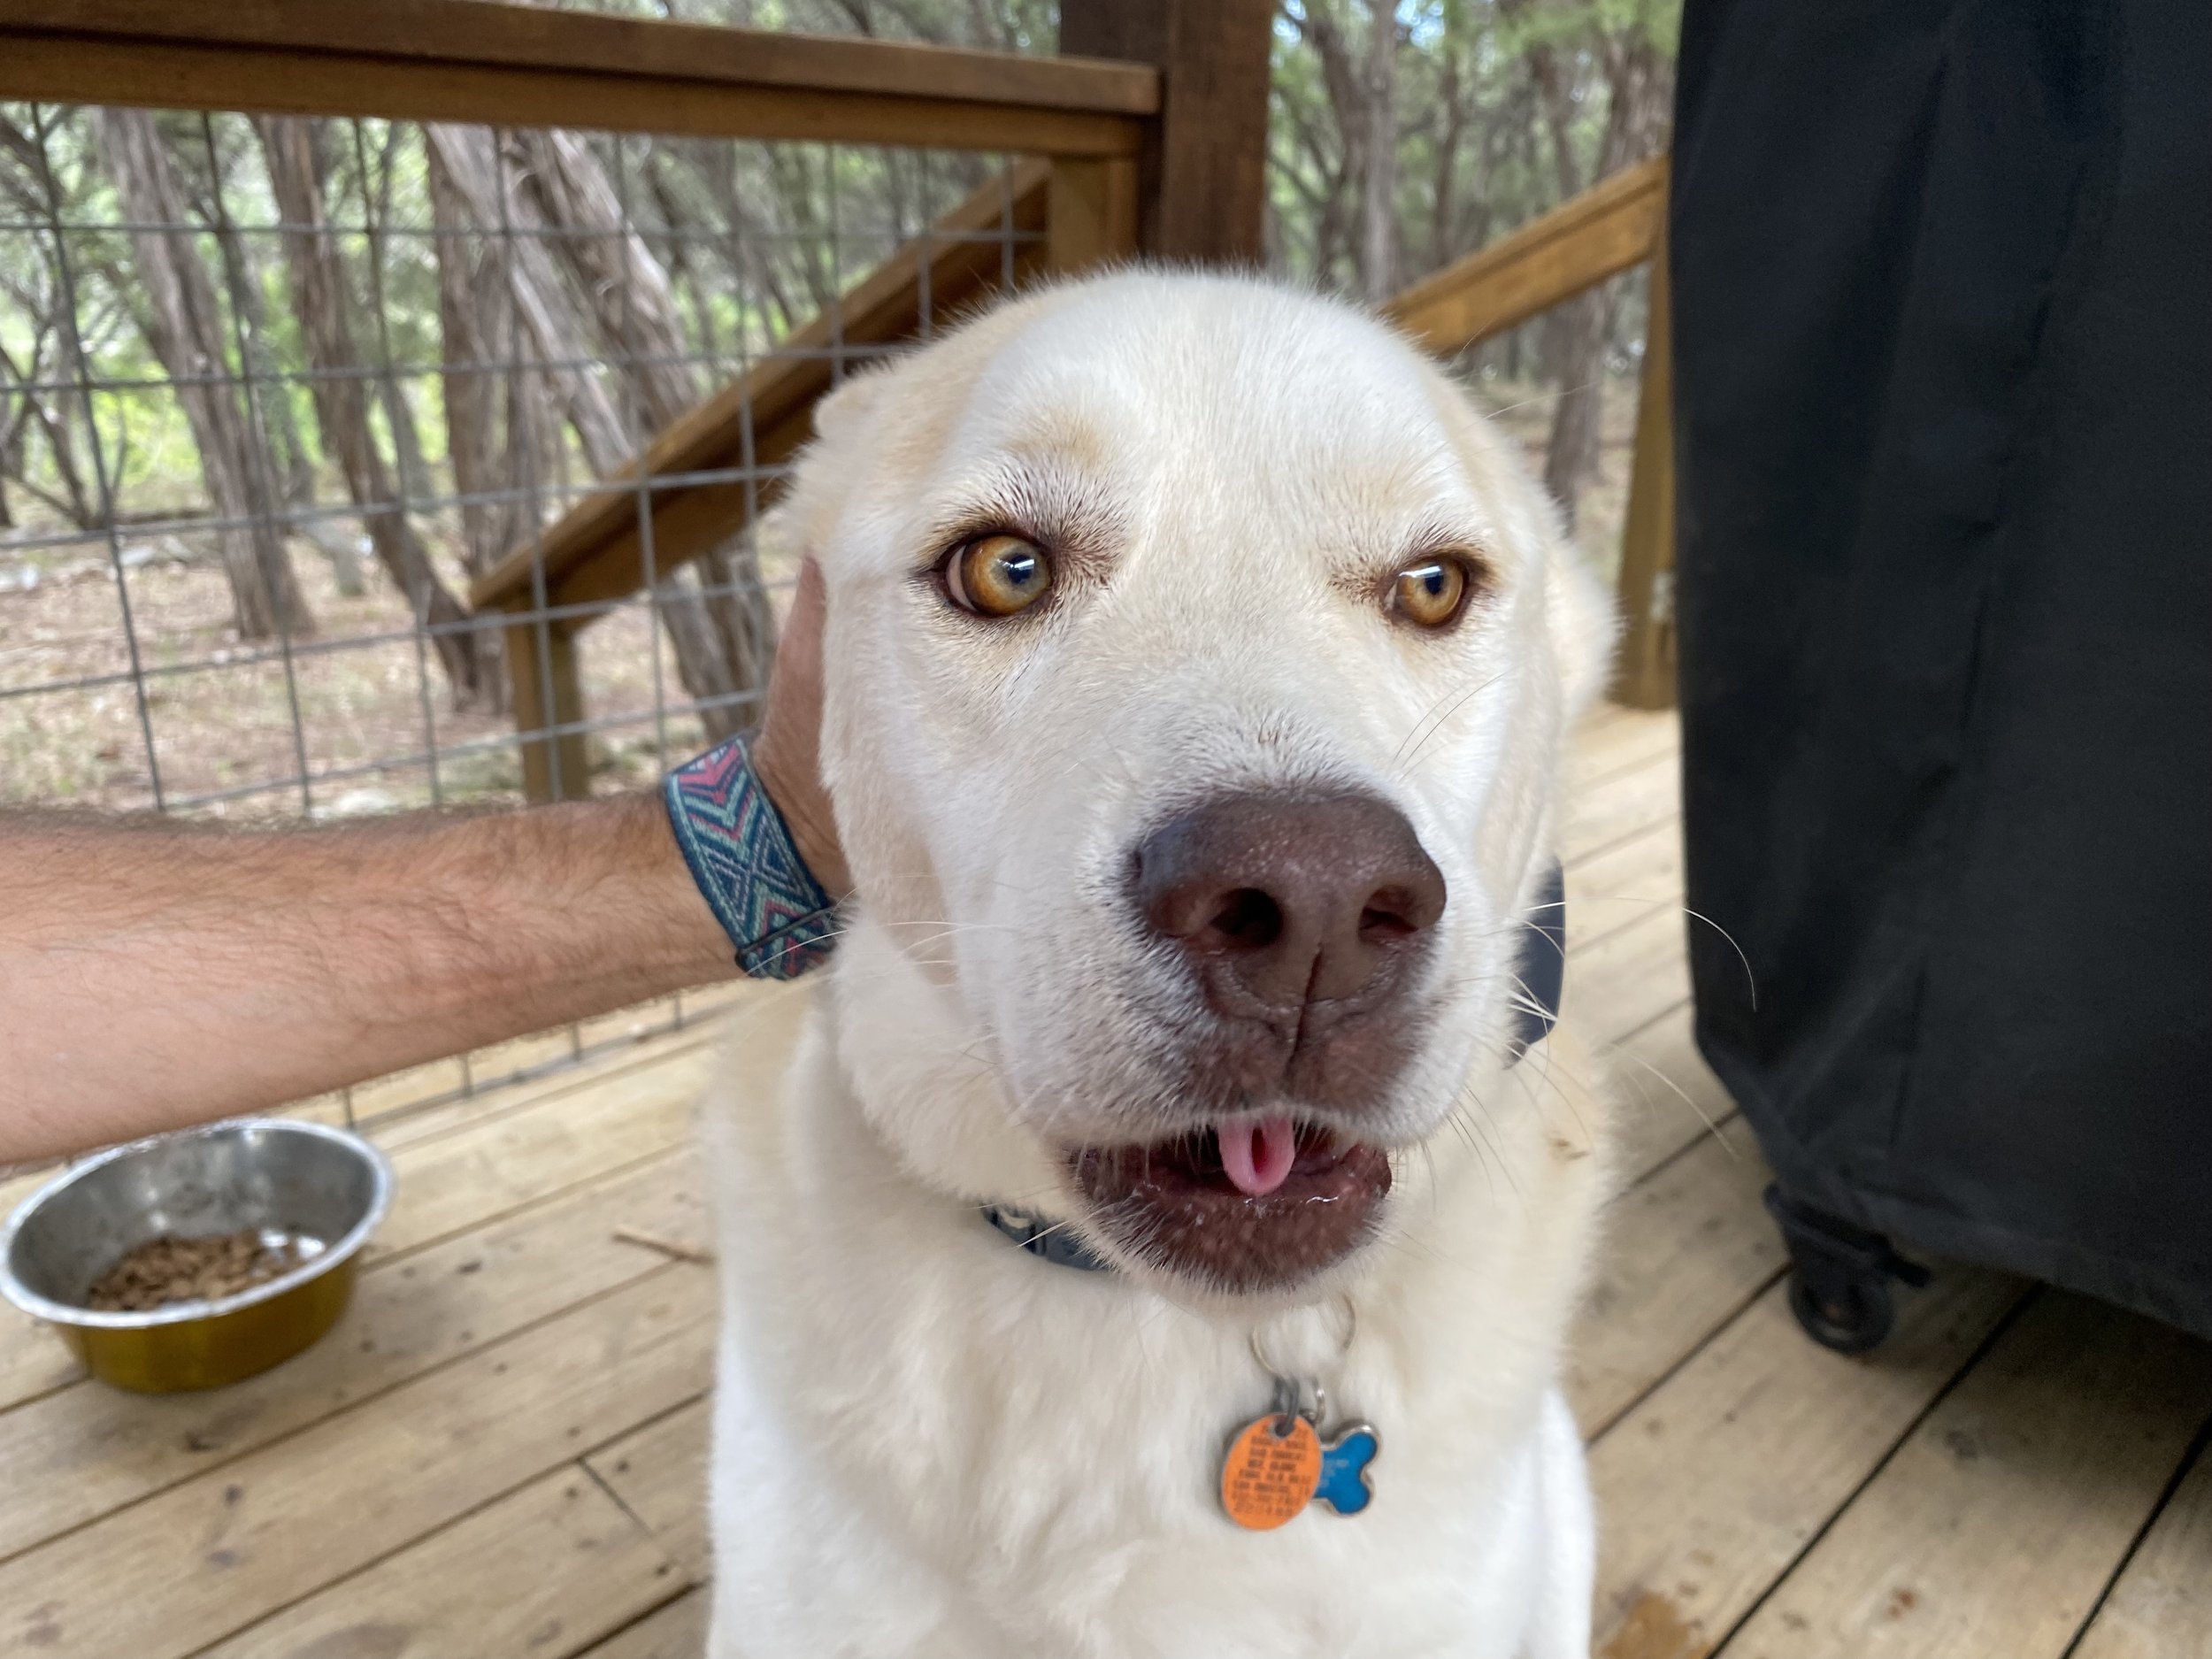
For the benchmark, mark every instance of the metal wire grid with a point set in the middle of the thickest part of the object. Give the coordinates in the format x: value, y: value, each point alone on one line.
x: 189, y: 692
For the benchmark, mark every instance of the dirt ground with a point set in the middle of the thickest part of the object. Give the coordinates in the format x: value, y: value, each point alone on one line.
x: 376, y: 730
x: 376, y: 725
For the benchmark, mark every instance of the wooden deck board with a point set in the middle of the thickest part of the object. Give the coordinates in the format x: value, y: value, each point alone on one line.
x: 1684, y: 1250
x: 86, y: 1450
x: 501, y: 1450
x: 658, y: 1473
x: 2161, y: 1603
x: 1603, y: 756
x: 1626, y: 980
x: 453, y: 1182
x: 33, y: 1362
x: 675, y: 1631
x: 1995, y: 1527
x: 223, y: 1550
x: 1711, y: 1488
x: 1625, y: 883
x: 1648, y: 793
x: 592, y: 1567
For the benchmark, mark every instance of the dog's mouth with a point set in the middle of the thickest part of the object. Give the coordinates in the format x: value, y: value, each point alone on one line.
x: 1252, y: 1203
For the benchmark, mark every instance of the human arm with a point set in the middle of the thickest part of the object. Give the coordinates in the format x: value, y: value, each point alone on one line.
x: 155, y: 974
x: 158, y: 975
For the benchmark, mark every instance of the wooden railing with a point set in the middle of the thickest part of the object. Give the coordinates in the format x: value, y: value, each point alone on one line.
x: 460, y: 60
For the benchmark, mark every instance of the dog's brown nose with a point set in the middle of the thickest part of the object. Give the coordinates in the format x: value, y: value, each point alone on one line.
x: 1282, y: 899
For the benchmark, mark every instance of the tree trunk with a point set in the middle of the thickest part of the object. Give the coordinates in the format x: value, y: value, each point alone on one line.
x: 1378, y: 214
x: 482, y: 431
x: 399, y: 415
x: 37, y: 410
x: 722, y: 657
x: 550, y: 347
x: 1579, y: 330
x: 613, y: 269
x: 399, y: 410
x: 1348, y: 93
x: 683, y: 268
x: 1635, y: 121
x: 292, y: 465
x: 1451, y: 130
x: 183, y: 325
x: 341, y: 400
x: 717, y: 167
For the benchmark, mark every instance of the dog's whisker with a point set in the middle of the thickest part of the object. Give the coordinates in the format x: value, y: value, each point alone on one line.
x: 1541, y: 397
x: 1400, y: 756
x: 1751, y: 984
x: 1478, y: 1119
x: 1538, y: 1077
x: 1712, y: 1125
x: 1444, y: 720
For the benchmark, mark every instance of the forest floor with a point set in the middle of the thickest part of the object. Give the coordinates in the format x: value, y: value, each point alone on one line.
x: 375, y: 727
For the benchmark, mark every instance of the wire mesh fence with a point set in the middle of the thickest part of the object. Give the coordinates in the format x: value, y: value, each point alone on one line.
x: 275, y: 392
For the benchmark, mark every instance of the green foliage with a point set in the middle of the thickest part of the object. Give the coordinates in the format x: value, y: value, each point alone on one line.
x: 1478, y: 86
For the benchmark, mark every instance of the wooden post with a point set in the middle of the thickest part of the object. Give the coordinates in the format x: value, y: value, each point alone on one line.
x: 1090, y: 212
x: 537, y: 652
x: 1643, y: 672
x: 1203, y: 174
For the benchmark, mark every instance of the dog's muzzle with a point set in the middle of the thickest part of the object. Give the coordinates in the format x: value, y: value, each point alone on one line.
x: 1300, y: 920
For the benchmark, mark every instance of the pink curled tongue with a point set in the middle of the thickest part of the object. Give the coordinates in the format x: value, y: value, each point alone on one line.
x: 1257, y: 1152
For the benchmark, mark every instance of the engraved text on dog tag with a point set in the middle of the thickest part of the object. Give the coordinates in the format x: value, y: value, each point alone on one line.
x: 1273, y: 1466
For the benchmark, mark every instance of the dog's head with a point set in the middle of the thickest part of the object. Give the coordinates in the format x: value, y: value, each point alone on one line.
x: 1197, y: 666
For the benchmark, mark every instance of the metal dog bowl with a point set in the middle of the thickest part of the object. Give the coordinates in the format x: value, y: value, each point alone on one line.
x: 321, y: 1190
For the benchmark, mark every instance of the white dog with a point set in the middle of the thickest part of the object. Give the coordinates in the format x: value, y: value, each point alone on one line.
x: 1198, y: 664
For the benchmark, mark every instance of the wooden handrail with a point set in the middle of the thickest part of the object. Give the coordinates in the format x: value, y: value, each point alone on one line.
x: 1609, y: 227
x: 595, y: 551
x: 472, y: 31
x: 466, y: 60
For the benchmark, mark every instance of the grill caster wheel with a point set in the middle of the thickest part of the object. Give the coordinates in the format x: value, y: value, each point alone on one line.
x: 1841, y: 1275
x: 1851, y: 1316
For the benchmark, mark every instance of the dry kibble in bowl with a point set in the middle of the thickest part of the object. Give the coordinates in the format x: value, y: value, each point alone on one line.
x: 172, y: 1270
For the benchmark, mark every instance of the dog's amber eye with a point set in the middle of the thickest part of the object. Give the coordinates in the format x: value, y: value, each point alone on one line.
x: 1431, y: 593
x: 997, y: 575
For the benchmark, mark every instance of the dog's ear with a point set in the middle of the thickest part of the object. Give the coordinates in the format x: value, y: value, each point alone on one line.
x: 800, y: 521
x: 1582, y: 620
x: 849, y: 409
x: 1578, y: 613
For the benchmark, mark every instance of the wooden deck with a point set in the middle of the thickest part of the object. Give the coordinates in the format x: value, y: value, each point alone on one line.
x: 499, y: 1451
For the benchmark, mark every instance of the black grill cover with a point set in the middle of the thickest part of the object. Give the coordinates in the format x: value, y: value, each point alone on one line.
x: 1943, y: 289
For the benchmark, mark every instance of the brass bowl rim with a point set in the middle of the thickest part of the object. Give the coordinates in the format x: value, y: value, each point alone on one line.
x: 348, y: 1246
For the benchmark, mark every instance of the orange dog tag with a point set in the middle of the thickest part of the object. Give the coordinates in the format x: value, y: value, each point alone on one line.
x: 1272, y: 1471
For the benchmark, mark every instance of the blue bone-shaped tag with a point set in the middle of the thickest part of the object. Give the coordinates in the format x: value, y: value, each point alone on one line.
x: 1344, y: 1462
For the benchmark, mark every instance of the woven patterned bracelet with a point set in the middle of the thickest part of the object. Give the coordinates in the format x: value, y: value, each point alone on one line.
x: 748, y: 868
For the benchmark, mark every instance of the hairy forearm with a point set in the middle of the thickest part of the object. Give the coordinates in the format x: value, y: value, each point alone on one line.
x: 155, y: 975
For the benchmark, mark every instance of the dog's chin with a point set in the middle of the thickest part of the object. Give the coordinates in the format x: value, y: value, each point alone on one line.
x: 1171, y: 1206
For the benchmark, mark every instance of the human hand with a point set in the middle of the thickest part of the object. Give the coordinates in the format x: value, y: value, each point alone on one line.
x: 788, y: 756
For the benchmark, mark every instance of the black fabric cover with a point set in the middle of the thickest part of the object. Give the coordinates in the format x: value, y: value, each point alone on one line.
x: 1943, y: 289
